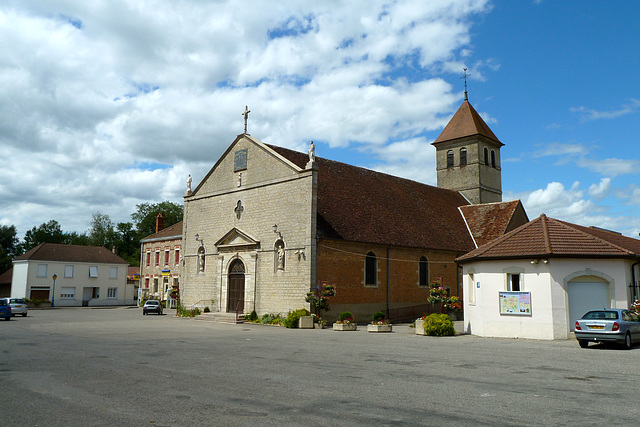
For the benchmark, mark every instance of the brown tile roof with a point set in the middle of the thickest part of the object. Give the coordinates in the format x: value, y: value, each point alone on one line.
x: 169, y: 233
x: 7, y: 276
x: 71, y: 253
x: 466, y: 122
x: 362, y: 205
x: 132, y: 271
x: 548, y: 237
x: 489, y: 221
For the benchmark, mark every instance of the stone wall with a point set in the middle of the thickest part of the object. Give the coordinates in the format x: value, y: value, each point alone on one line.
x: 234, y: 214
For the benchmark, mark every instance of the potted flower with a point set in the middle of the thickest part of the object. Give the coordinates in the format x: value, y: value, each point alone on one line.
x: 319, y: 322
x: 379, y: 323
x: 419, y: 325
x: 453, y: 307
x: 345, y: 322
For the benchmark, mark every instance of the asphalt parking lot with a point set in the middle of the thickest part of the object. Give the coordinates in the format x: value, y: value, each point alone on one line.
x: 98, y: 367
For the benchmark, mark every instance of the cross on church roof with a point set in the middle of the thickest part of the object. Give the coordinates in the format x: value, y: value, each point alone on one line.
x: 246, y: 116
x: 464, y: 76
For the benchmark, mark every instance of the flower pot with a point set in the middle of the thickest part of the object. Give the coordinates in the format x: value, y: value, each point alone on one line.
x: 319, y: 326
x: 345, y: 326
x: 419, y: 327
x: 305, y: 322
x: 379, y: 328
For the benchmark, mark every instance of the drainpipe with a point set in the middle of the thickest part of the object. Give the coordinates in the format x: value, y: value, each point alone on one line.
x: 634, y: 286
x: 388, y: 284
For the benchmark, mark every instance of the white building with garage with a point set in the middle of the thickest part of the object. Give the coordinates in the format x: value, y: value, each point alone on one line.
x: 535, y: 281
x: 72, y: 275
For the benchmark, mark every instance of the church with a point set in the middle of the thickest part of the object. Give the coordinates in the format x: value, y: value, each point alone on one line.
x: 267, y: 224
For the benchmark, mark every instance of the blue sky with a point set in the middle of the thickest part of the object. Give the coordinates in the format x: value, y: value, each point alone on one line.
x: 108, y: 105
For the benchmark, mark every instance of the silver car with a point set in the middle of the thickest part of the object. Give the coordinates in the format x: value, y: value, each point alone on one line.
x: 18, y: 306
x: 152, y: 306
x: 609, y: 325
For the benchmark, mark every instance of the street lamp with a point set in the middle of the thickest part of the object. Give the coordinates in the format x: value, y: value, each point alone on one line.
x: 53, y: 296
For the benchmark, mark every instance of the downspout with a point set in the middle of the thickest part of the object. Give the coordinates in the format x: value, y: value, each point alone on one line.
x: 634, y: 286
x: 388, y: 275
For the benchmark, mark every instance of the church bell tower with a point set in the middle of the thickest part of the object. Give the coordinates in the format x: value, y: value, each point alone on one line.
x: 468, y: 157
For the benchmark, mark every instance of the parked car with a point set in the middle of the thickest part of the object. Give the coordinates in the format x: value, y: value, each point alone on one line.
x: 5, y: 308
x: 18, y: 306
x: 609, y: 325
x: 152, y: 306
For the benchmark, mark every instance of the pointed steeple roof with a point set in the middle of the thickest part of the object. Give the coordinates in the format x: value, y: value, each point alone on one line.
x: 466, y: 122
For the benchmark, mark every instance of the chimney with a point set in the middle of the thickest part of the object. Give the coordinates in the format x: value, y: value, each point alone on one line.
x: 159, y: 222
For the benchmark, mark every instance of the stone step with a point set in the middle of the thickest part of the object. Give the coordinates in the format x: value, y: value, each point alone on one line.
x: 220, y: 317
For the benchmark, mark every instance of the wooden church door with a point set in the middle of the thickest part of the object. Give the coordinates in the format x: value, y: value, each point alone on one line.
x: 235, y: 298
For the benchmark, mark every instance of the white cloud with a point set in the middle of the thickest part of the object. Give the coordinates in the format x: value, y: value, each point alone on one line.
x: 111, y: 104
x: 588, y: 114
x: 601, y: 190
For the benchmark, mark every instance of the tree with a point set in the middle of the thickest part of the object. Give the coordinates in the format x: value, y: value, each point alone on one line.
x: 48, y: 232
x: 145, y: 216
x: 101, y: 231
x: 9, y: 246
x: 127, y: 243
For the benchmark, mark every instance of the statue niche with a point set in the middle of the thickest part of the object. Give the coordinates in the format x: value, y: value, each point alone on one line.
x: 201, y: 259
x: 279, y: 255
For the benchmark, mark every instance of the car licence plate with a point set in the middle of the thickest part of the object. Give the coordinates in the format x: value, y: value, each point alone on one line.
x: 596, y: 327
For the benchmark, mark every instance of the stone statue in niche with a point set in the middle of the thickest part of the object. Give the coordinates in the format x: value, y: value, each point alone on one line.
x: 240, y: 179
x: 280, y: 255
x: 201, y: 259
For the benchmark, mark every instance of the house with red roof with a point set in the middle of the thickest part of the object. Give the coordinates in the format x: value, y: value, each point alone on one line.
x: 538, y: 279
x: 160, y: 266
x: 267, y: 224
x: 72, y: 275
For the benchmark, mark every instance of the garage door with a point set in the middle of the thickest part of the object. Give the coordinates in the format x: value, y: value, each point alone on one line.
x: 585, y: 296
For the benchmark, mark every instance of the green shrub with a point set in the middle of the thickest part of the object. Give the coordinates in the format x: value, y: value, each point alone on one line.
x: 345, y: 317
x: 253, y: 316
x: 266, y: 319
x: 207, y: 309
x: 185, y: 312
x: 439, y: 325
x: 379, y: 316
x: 292, y: 319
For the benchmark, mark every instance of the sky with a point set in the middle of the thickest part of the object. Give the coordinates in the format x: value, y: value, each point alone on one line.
x: 108, y: 104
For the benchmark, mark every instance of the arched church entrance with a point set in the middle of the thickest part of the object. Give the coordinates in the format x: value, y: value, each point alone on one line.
x: 235, y: 298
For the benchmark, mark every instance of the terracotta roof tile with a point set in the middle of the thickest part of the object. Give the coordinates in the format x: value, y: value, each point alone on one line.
x: 362, y: 205
x: 7, y: 276
x: 466, y: 122
x: 171, y: 232
x: 489, y: 221
x: 71, y: 253
x: 548, y: 237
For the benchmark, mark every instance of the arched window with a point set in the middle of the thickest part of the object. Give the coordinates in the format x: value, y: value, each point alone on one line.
x: 493, y: 159
x: 424, y: 271
x: 486, y: 156
x: 463, y: 156
x: 371, y: 269
x: 450, y: 158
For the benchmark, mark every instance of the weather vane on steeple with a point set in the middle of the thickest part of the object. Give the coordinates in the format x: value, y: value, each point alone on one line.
x: 246, y: 116
x: 464, y: 76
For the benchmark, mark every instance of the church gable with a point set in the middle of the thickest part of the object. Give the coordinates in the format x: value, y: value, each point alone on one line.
x: 236, y: 239
x: 246, y: 162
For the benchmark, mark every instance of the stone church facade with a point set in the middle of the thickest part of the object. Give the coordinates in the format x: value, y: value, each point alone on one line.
x: 266, y: 225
